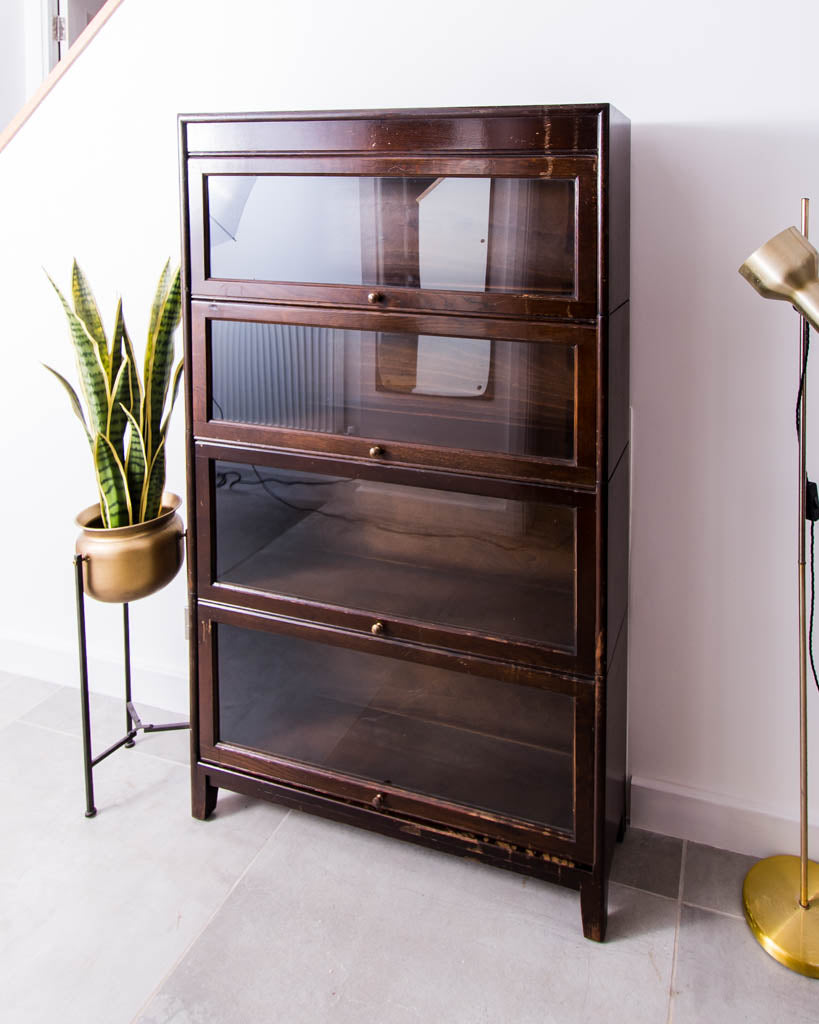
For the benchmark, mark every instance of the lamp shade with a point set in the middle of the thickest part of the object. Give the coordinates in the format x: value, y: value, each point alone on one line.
x: 787, y: 267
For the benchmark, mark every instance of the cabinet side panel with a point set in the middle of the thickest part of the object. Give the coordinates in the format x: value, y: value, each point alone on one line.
x: 190, y: 539
x: 617, y: 554
x: 617, y: 397
x: 619, y: 208
x: 616, y: 733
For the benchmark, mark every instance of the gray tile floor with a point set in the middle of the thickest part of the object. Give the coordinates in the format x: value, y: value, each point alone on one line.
x: 145, y: 915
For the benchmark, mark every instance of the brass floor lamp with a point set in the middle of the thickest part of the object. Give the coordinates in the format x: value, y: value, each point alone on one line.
x: 781, y: 894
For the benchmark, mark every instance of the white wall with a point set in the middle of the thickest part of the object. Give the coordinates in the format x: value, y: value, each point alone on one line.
x: 719, y: 165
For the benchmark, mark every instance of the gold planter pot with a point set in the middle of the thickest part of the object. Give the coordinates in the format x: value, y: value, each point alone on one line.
x: 129, y: 562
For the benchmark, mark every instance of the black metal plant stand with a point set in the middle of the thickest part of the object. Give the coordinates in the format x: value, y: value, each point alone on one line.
x: 133, y: 723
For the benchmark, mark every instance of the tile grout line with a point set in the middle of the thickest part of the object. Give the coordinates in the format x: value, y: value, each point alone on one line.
x: 39, y: 704
x: 683, y: 857
x: 675, y: 899
x: 177, y: 963
x: 713, y: 910
x: 648, y: 892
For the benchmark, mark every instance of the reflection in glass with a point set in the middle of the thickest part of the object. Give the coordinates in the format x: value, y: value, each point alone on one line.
x: 453, y: 229
x: 422, y: 364
x: 493, y: 565
x: 451, y: 234
x: 227, y: 197
x: 427, y: 730
x: 517, y: 398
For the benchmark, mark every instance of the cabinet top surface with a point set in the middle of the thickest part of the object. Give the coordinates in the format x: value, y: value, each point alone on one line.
x: 555, y: 109
x: 569, y: 129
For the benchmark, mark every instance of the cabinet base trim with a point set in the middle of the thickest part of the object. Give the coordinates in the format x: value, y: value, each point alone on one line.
x: 538, y: 864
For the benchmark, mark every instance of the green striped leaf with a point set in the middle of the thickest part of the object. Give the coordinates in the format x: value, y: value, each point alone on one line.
x: 116, y: 411
x: 85, y: 306
x: 116, y: 344
x: 75, y: 402
x: 135, y: 384
x: 113, y: 488
x: 161, y: 294
x: 177, y: 377
x: 92, y: 374
x: 154, y: 484
x: 135, y: 464
x: 158, y: 357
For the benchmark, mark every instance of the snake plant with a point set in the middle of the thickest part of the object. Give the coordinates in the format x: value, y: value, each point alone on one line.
x: 122, y: 420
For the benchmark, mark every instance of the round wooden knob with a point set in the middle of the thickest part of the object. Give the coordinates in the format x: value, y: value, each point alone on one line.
x: 377, y: 628
x: 376, y: 451
x: 375, y: 297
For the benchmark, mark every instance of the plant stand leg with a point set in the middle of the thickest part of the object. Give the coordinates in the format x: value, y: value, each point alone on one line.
x: 133, y: 723
x: 126, y: 639
x: 88, y: 767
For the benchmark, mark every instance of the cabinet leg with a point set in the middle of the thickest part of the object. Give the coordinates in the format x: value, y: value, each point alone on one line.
x: 594, y: 906
x: 203, y: 796
x: 621, y: 830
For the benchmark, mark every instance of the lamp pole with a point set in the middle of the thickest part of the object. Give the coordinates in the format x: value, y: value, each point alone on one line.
x: 804, y: 339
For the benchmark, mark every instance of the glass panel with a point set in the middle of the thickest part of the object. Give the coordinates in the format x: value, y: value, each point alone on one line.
x: 478, y: 742
x: 499, y: 396
x: 455, y: 234
x: 491, y: 565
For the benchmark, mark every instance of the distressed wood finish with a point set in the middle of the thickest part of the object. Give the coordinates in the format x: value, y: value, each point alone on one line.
x: 356, y: 688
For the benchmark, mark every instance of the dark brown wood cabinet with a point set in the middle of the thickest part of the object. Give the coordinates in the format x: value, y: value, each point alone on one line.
x: 407, y: 406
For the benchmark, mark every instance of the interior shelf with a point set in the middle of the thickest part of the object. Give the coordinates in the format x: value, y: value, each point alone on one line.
x: 389, y: 721
x: 493, y: 566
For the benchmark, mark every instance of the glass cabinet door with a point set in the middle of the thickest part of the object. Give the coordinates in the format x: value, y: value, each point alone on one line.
x: 437, y: 233
x: 478, y: 742
x: 506, y: 238
x: 449, y: 568
x: 404, y: 388
x: 515, y: 398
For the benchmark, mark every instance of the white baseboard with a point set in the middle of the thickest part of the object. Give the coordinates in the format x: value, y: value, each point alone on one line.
x: 149, y: 686
x: 709, y: 818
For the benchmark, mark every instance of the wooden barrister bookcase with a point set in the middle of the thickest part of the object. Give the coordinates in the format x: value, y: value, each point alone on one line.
x: 407, y: 400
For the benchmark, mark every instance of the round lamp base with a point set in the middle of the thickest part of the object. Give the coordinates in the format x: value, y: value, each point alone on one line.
x: 785, y: 929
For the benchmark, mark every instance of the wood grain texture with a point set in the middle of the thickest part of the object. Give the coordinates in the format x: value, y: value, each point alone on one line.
x: 435, y: 130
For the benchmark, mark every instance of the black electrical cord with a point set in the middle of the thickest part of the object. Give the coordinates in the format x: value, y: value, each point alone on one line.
x: 809, y: 514
x: 231, y: 478
x: 812, y: 606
